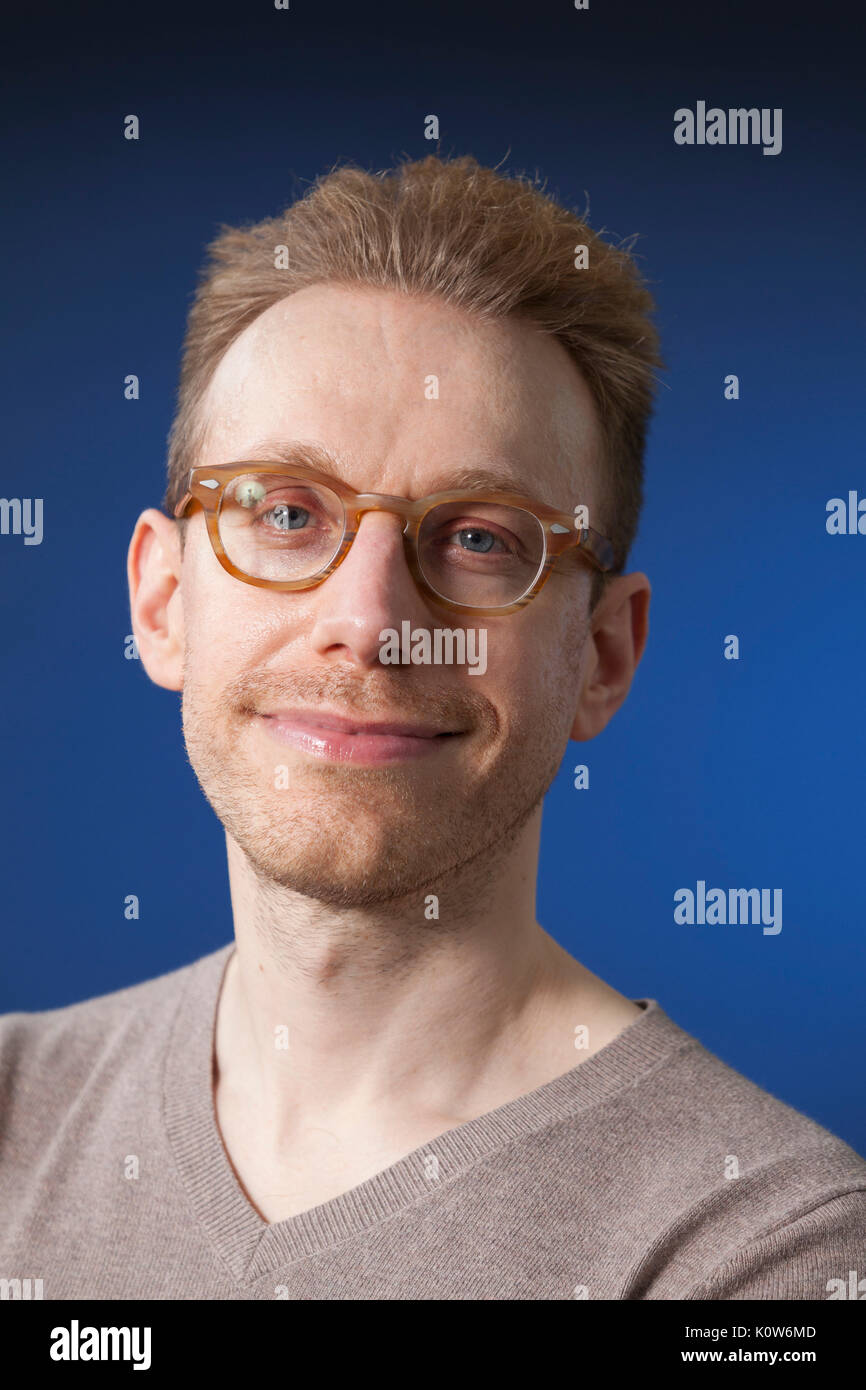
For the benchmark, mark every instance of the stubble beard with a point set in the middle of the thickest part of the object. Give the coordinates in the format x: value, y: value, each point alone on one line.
x: 350, y: 836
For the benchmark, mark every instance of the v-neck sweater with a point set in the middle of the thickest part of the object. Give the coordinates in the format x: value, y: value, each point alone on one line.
x: 650, y: 1170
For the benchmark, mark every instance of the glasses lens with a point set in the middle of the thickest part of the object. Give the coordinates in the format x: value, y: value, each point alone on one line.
x: 480, y: 553
x: 276, y: 527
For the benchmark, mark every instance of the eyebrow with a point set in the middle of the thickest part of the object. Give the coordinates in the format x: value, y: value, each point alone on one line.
x: 472, y: 478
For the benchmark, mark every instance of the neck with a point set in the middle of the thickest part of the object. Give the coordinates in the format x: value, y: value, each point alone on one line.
x: 328, y: 1014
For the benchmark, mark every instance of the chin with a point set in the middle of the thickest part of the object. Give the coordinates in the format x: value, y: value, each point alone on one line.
x: 339, y: 884
x: 354, y: 858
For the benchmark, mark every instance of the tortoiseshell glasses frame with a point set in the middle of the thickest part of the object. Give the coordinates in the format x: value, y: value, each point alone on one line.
x: 206, y: 486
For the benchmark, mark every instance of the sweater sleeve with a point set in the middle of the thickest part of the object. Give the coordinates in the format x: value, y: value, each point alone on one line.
x: 821, y: 1255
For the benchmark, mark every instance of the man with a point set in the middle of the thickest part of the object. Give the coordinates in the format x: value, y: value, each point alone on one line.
x: 395, y: 1083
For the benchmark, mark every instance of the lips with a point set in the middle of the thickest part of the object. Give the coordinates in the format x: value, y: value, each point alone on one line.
x: 340, y: 738
x: 338, y: 723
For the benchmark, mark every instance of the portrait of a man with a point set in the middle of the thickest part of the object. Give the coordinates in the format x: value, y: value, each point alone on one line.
x: 389, y: 581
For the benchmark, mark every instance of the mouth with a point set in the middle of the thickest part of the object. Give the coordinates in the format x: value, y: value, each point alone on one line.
x: 339, y: 738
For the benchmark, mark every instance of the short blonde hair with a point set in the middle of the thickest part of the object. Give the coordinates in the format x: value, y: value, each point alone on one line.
x: 489, y: 243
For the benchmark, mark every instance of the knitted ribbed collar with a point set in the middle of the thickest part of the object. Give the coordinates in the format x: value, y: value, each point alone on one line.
x: 252, y: 1247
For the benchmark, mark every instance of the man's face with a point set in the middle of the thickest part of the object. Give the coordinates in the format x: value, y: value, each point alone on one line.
x: 347, y: 369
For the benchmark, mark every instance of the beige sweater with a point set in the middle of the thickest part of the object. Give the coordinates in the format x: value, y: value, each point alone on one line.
x: 617, y: 1180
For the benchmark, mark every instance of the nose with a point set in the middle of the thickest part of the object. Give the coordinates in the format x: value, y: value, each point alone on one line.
x: 370, y: 591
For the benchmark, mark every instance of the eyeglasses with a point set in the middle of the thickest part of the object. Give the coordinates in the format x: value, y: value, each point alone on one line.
x: 289, y: 527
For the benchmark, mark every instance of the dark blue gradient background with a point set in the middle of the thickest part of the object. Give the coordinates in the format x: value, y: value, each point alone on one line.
x: 744, y: 774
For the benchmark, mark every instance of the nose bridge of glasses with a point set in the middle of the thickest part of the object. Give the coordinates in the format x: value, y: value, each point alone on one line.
x: 382, y: 502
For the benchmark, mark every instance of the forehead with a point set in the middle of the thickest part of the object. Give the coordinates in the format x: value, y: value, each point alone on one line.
x: 407, y: 392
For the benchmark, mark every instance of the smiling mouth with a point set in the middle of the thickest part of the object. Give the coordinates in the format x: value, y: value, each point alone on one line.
x: 339, y: 738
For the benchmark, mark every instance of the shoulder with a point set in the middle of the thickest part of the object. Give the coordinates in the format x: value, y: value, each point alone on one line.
x: 49, y: 1057
x: 719, y: 1117
x: 760, y: 1200
x: 817, y: 1251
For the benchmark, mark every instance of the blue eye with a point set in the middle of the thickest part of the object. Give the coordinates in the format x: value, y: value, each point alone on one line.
x: 478, y: 540
x: 288, y: 518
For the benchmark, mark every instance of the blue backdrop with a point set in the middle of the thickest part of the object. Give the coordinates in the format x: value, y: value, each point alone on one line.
x: 739, y: 773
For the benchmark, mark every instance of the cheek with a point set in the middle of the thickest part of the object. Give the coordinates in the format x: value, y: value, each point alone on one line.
x: 234, y: 632
x: 218, y: 626
x: 218, y: 609
x: 518, y: 680
x: 545, y: 681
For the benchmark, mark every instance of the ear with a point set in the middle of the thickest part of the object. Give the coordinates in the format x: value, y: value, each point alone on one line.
x: 617, y: 637
x: 153, y: 568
